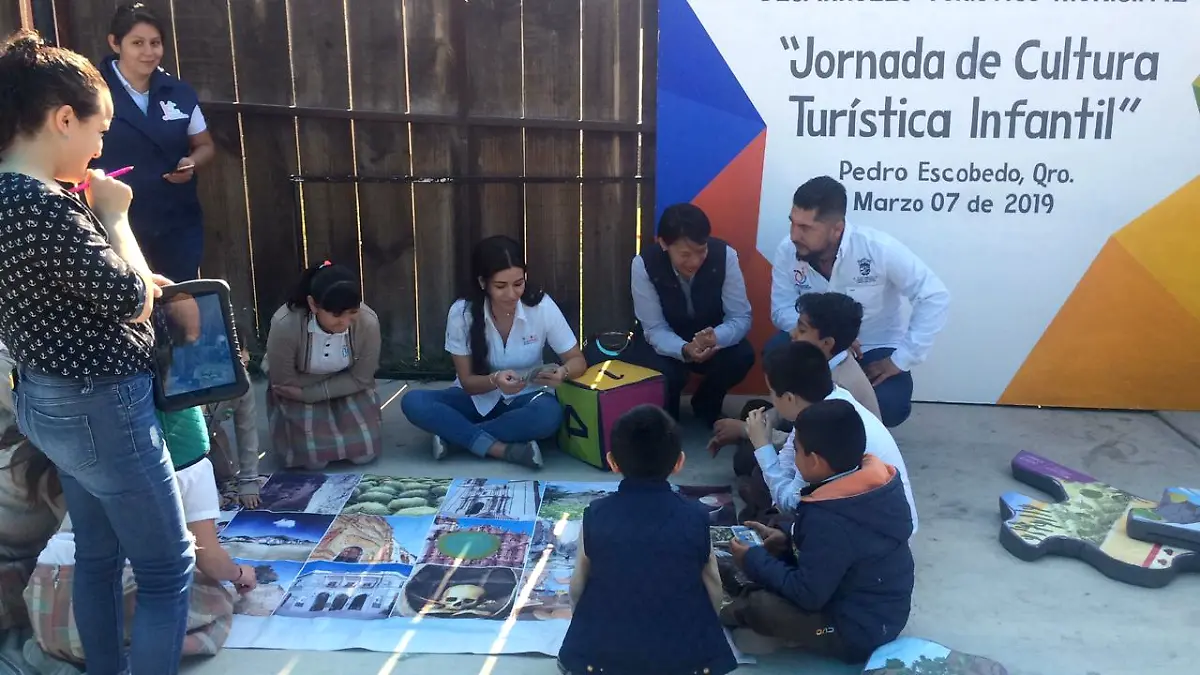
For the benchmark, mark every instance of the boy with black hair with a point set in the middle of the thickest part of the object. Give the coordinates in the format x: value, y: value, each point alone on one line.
x: 689, y: 297
x: 841, y: 584
x: 646, y: 589
x: 799, y: 377
x: 831, y: 321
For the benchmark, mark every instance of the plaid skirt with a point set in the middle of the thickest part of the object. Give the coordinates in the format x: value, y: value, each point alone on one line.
x: 14, y: 576
x: 48, y: 598
x: 314, y: 434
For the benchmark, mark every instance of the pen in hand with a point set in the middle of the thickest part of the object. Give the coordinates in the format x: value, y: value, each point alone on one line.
x: 87, y: 183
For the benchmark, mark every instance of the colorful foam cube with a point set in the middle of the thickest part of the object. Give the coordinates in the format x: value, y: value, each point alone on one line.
x: 593, y: 402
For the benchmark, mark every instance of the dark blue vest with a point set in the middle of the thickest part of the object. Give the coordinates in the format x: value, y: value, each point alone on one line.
x: 153, y: 146
x: 645, y: 608
x: 708, y: 311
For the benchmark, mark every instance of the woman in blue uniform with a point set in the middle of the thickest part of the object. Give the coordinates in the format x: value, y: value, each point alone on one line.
x: 158, y: 129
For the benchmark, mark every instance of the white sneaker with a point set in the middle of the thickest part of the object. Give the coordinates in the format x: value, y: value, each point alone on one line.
x: 439, y: 449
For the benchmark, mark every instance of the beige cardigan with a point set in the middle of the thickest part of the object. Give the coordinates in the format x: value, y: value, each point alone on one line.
x: 289, y: 347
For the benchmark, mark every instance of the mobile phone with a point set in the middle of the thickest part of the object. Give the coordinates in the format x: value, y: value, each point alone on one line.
x: 746, y: 535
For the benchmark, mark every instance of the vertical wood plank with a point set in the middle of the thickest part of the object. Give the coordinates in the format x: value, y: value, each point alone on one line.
x: 319, y: 53
x: 10, y: 19
x: 433, y: 63
x: 493, y: 30
x: 552, y: 89
x: 648, y: 164
x: 88, y: 28
x: 260, y: 38
x: 205, y: 49
x: 442, y: 248
x: 226, y: 228
x: 388, y: 253
x: 330, y: 212
x: 611, y: 68
x: 376, y: 46
x: 270, y: 147
x: 318, y: 42
x: 376, y: 30
x: 493, y: 39
x: 437, y: 85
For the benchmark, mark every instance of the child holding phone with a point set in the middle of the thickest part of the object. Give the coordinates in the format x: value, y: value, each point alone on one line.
x: 646, y: 589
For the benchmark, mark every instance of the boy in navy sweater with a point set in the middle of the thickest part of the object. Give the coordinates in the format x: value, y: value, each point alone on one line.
x: 646, y: 587
x: 841, y: 584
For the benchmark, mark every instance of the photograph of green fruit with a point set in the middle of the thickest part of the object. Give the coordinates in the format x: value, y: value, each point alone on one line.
x: 396, y: 496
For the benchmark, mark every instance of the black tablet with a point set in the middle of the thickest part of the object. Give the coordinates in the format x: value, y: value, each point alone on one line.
x: 197, y: 355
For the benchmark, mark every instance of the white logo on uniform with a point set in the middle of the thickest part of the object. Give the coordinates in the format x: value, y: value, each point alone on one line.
x: 171, y: 111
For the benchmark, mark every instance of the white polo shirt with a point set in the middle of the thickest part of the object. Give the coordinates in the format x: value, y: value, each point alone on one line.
x: 533, y: 328
x: 785, y: 482
x: 878, y: 271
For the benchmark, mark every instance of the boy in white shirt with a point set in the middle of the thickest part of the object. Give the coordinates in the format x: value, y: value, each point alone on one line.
x: 799, y: 374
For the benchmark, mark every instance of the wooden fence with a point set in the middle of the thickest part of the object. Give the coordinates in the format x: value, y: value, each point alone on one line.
x: 389, y: 135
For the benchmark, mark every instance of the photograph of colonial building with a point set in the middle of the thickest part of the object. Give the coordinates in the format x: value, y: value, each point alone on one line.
x: 339, y: 592
x: 498, y: 499
x: 470, y: 542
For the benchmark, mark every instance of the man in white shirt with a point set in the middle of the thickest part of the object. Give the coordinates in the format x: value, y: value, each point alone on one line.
x: 798, y: 376
x: 690, y: 299
x: 825, y: 253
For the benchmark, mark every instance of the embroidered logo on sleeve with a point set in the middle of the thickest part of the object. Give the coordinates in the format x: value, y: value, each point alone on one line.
x: 171, y: 112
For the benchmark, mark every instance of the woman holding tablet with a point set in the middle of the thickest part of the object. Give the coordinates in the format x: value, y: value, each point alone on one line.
x: 503, y: 401
x: 322, y: 354
x: 77, y: 295
x: 157, y: 129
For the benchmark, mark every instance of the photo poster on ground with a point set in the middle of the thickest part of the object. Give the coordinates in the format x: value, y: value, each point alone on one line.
x: 1043, y: 158
x: 416, y: 565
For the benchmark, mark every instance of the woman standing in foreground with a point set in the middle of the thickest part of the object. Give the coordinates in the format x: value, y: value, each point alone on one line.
x: 503, y: 401
x: 75, y: 296
x: 157, y: 129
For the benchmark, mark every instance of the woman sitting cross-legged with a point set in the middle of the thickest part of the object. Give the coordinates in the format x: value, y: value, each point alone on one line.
x: 503, y: 401
x: 322, y: 354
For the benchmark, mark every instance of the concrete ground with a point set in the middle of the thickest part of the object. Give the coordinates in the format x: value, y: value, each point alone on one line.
x: 1053, y: 617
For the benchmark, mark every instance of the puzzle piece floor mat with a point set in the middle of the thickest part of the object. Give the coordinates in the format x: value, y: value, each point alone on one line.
x: 1087, y: 520
x: 1174, y: 522
x: 914, y: 656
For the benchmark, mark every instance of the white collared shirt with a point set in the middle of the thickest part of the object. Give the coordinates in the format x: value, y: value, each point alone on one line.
x: 878, y: 271
x: 196, y: 122
x: 785, y: 482
x: 533, y: 328
x: 328, y: 353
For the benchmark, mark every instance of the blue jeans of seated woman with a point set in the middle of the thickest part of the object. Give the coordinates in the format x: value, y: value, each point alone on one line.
x: 103, y: 436
x: 451, y: 415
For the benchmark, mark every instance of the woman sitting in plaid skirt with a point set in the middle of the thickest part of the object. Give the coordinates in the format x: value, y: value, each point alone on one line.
x: 210, y: 610
x: 322, y: 354
x: 28, y: 518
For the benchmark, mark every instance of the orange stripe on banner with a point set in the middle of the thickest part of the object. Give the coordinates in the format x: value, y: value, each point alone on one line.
x: 1166, y: 241
x: 731, y: 203
x: 1119, y: 341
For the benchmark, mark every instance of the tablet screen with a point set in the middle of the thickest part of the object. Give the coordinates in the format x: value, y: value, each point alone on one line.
x: 201, y: 354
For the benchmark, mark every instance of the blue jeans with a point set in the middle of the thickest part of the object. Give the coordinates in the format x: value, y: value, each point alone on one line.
x: 103, y: 436
x: 451, y: 415
x: 894, y: 394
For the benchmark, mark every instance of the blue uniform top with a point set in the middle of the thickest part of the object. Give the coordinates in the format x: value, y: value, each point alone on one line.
x: 153, y: 142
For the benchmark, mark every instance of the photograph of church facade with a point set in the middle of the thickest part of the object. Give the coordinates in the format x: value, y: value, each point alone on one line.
x: 493, y: 499
x: 339, y: 594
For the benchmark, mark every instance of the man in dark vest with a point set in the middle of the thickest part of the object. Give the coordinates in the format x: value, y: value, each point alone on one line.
x: 690, y: 300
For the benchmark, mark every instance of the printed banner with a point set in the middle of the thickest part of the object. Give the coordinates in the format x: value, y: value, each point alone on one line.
x: 421, y: 565
x: 1042, y: 157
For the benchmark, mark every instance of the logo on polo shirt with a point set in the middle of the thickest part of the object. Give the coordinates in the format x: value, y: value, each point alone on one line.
x: 865, y: 266
x: 529, y: 340
x: 171, y: 111
x: 801, y: 275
